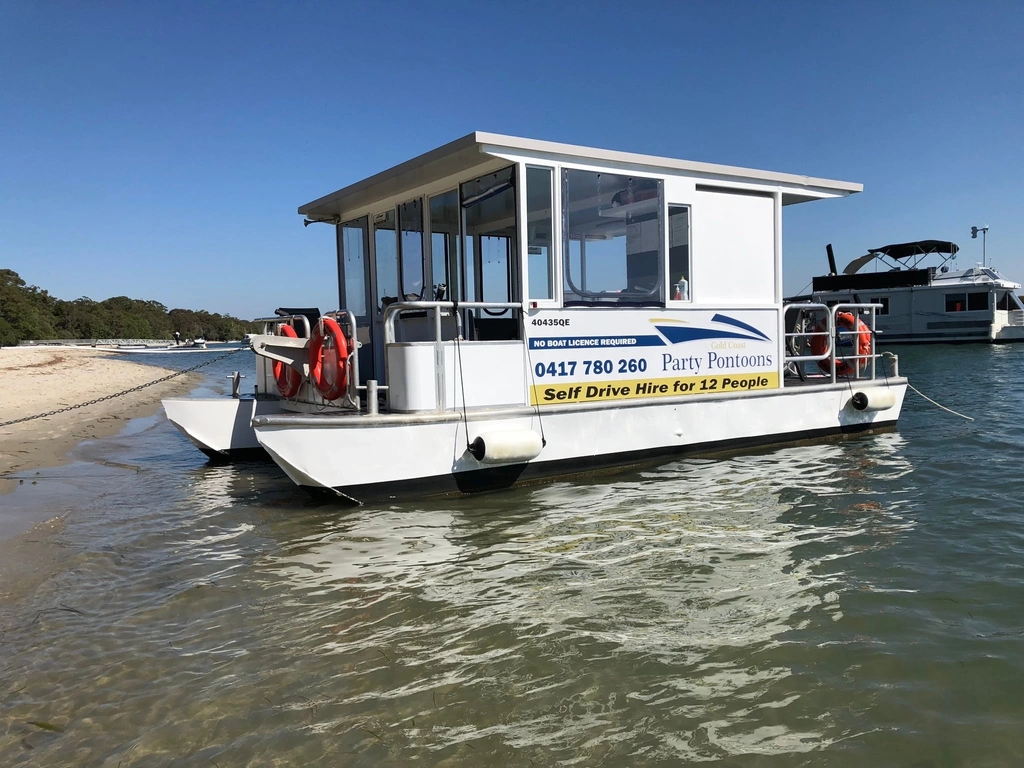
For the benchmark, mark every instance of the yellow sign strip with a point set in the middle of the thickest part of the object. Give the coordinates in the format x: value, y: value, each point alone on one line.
x: 631, y: 389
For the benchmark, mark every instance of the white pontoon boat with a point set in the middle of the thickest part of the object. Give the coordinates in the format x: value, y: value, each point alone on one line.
x: 516, y: 310
x: 921, y: 299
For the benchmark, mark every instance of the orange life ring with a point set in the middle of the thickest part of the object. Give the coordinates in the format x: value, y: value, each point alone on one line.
x: 845, y: 320
x: 288, y: 379
x: 334, y: 385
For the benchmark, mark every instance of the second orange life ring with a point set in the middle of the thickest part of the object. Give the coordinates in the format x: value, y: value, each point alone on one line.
x: 288, y: 379
x: 329, y: 372
x: 846, y: 321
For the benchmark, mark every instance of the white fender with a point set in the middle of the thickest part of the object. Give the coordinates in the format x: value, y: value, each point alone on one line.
x: 873, y: 399
x: 512, y: 447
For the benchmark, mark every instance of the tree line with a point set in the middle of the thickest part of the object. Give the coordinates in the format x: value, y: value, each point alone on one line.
x: 28, y: 312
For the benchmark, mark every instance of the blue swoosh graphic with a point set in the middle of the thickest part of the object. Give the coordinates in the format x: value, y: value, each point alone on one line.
x: 739, y: 324
x: 678, y: 334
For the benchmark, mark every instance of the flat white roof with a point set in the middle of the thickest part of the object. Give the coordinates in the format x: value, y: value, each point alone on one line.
x: 479, y: 147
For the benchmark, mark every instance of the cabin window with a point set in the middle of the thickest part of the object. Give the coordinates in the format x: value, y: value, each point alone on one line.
x: 967, y: 302
x: 352, y: 254
x: 679, y: 252
x: 385, y: 248
x: 1008, y: 302
x: 612, y: 239
x: 489, y: 210
x: 490, y: 227
x: 884, y: 301
x: 539, y: 246
x: 444, y: 243
x: 410, y: 222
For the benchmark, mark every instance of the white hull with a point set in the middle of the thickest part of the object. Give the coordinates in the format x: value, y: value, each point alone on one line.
x: 219, y: 426
x: 371, y: 457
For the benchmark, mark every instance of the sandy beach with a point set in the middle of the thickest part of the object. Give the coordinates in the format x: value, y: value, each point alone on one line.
x: 40, y: 379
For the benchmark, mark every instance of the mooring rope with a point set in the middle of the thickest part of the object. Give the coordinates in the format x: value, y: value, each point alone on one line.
x: 938, y: 405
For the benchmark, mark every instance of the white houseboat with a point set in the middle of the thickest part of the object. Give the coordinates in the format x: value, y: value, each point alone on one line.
x: 922, y: 299
x: 516, y: 309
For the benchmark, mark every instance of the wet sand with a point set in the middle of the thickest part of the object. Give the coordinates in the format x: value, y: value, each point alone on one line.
x: 35, y: 380
x: 39, y: 379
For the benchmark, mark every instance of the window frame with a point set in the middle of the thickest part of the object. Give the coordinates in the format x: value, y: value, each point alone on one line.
x: 378, y: 308
x: 362, y: 224
x: 605, y: 299
x: 976, y: 294
x: 667, y: 235
x: 452, y: 261
x: 513, y: 273
x: 554, y: 250
x: 948, y: 297
x: 424, y: 259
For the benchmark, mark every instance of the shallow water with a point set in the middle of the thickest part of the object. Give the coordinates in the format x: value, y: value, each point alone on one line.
x: 850, y: 603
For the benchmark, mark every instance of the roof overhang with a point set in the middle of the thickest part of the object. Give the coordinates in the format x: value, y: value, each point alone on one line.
x: 479, y: 149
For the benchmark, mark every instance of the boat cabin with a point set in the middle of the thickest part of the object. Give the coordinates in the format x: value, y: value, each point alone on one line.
x: 498, y: 271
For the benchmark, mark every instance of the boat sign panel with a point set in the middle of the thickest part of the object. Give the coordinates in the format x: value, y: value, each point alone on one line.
x: 621, y: 354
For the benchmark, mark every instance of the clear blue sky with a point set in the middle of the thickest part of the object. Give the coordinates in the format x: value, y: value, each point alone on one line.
x: 159, y: 150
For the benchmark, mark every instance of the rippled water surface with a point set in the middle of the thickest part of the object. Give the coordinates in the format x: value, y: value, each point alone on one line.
x: 850, y: 603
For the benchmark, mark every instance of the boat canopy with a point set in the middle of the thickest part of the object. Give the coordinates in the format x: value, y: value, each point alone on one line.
x: 918, y: 249
x: 481, y: 153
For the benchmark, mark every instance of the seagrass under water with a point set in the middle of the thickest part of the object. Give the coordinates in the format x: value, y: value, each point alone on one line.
x: 848, y: 603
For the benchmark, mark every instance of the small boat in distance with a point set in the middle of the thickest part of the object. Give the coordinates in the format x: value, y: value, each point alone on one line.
x: 517, y: 310
x: 922, y: 299
x: 190, y: 345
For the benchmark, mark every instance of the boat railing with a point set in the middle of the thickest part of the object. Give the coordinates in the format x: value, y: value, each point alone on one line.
x: 271, y: 324
x: 821, y: 321
x: 437, y: 310
x: 347, y: 320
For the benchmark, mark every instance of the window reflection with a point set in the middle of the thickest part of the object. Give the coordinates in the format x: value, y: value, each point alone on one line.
x: 489, y: 208
x: 444, y: 243
x: 540, y: 260
x: 410, y: 220
x: 679, y: 252
x: 353, y: 256
x: 613, y: 223
x: 385, y: 245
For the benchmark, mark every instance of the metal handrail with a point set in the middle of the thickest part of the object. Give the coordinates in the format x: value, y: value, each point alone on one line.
x: 437, y: 308
x: 858, y: 310
x: 352, y: 361
x: 827, y: 333
x: 393, y: 310
x: 282, y: 319
x: 833, y: 330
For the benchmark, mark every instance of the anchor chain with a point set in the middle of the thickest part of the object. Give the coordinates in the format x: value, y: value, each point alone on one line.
x: 125, y: 392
